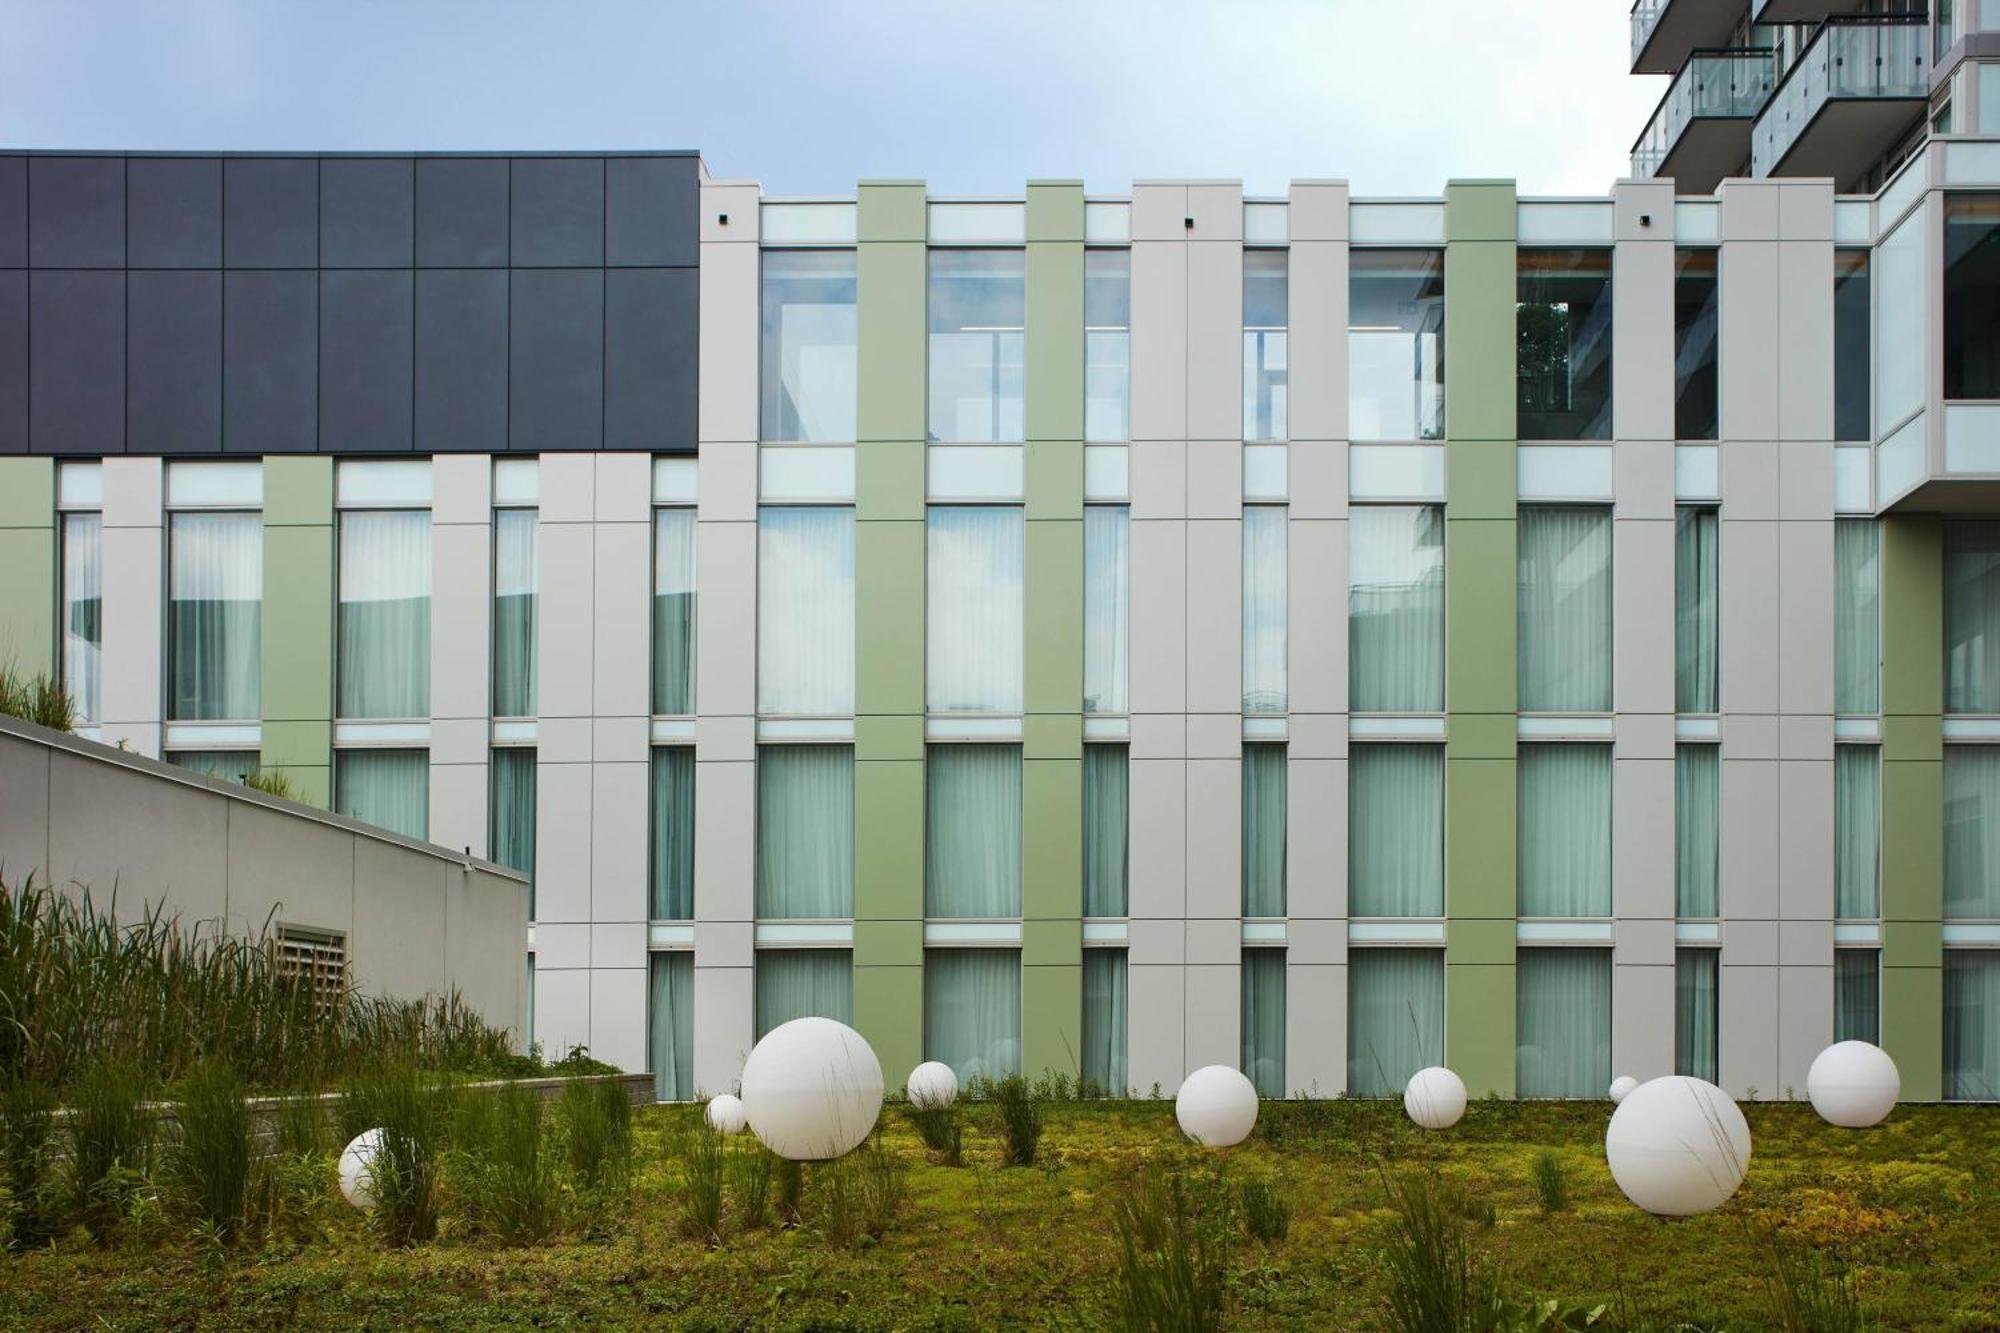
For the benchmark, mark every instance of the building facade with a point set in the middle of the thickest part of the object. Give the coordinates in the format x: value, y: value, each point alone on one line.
x: 1325, y: 635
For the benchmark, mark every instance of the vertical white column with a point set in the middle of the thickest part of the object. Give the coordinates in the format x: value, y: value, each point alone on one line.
x: 133, y: 592
x: 461, y: 648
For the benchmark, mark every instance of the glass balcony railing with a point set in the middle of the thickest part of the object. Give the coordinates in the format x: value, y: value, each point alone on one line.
x: 1645, y: 14
x: 1723, y: 85
x: 1858, y: 57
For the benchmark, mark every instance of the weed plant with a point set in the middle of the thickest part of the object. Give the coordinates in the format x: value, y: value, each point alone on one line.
x: 1017, y: 1120
x: 503, y: 1169
x: 412, y: 1107
x: 111, y: 1131
x: 750, y: 1172
x: 1267, y: 1209
x: 210, y: 1155
x: 1805, y: 1290
x: 39, y: 699
x: 1176, y: 1234
x: 597, y: 1137
x: 1551, y: 1183
x: 861, y: 1194
x: 700, y: 1151
x: 27, y: 1124
x: 940, y: 1126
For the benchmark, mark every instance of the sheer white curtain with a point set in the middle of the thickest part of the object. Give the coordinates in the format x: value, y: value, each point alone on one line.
x: 215, y: 616
x: 1565, y: 610
x: 972, y: 834
x: 805, y: 831
x: 516, y: 534
x: 1695, y: 976
x: 1107, y: 607
x: 1696, y: 545
x: 83, y: 612
x: 1972, y: 617
x: 1395, y: 609
x: 1857, y: 831
x: 972, y: 1011
x: 805, y: 611
x: 804, y: 983
x: 1972, y: 831
x: 390, y: 789
x: 1395, y: 830
x: 973, y: 613
x: 670, y: 1025
x: 1857, y: 995
x: 1563, y: 1022
x: 1263, y: 609
x: 1264, y: 1020
x: 1857, y: 616
x: 385, y: 614
x: 1106, y: 859
x: 1971, y: 1033
x: 1565, y: 830
x: 1395, y: 1018
x: 1263, y: 830
x: 673, y: 611
x: 1105, y: 1019
x: 1697, y: 811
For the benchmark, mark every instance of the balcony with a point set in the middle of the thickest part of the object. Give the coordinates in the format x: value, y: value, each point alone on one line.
x: 1666, y: 32
x: 1862, y: 81
x: 1700, y: 132
x: 1799, y: 11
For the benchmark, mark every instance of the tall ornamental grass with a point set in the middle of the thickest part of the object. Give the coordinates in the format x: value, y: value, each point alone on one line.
x: 210, y: 1156
x: 413, y: 1109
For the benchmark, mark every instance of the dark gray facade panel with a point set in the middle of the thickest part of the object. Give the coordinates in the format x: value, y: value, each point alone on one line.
x: 76, y: 362
x: 270, y: 212
x: 13, y: 361
x: 461, y: 212
x: 367, y: 212
x: 652, y: 208
x: 76, y: 212
x: 174, y: 213
x: 558, y: 212
x: 650, y: 333
x: 556, y: 371
x: 461, y: 361
x: 270, y: 371
x: 13, y: 212
x: 173, y: 401
x: 365, y: 394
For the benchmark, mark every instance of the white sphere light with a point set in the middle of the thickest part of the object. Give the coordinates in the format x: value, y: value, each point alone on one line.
x: 1621, y: 1088
x: 1853, y: 1084
x: 1216, y: 1106
x: 812, y: 1089
x: 357, y: 1169
x: 1678, y: 1146
x: 1435, y: 1097
x: 932, y: 1084
x: 726, y: 1115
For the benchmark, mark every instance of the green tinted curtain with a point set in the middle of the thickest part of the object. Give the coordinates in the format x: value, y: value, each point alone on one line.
x: 973, y: 610
x: 1562, y: 1022
x: 1104, y: 1019
x: 1972, y: 617
x: 972, y: 1011
x: 804, y: 983
x: 512, y: 835
x: 671, y: 875
x: 805, y: 831
x: 1695, y: 972
x: 1857, y: 831
x: 1564, y: 856
x: 215, y: 616
x: 230, y: 765
x: 1106, y: 789
x: 1857, y: 995
x: 1107, y: 607
x: 1696, y: 546
x: 805, y: 611
x: 1395, y: 830
x: 1395, y: 609
x: 1263, y: 608
x: 670, y: 1025
x: 385, y: 614
x: 390, y: 789
x: 515, y: 534
x: 1857, y: 616
x: 1565, y: 610
x: 972, y: 831
x: 1972, y: 831
x: 673, y: 611
x: 1697, y: 809
x: 1972, y: 1025
x: 83, y: 610
x: 1395, y: 1018
x: 1263, y: 830
x: 1264, y: 1020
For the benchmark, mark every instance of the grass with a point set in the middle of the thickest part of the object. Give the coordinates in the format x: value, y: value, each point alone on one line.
x: 38, y: 698
x: 211, y: 1153
x: 1551, y: 1182
x: 1905, y: 1212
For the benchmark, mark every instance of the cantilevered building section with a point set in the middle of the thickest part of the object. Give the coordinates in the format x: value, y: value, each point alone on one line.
x: 1052, y: 632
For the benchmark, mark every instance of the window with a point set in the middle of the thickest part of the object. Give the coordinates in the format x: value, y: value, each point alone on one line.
x: 1105, y: 1020
x: 1697, y: 812
x: 1264, y: 1020
x: 670, y: 874
x: 1971, y: 1031
x: 1850, y: 345
x: 1972, y: 295
x: 511, y: 834
x: 1972, y: 617
x: 1857, y: 831
x: 1265, y: 300
x: 973, y: 616
x: 805, y: 611
x: 1263, y: 830
x: 237, y: 766
x: 1106, y: 854
x: 516, y: 535
x: 670, y: 1025
x: 1565, y: 830
x: 978, y: 331
x: 1857, y: 995
x: 1395, y: 345
x: 390, y: 789
x: 1562, y: 1022
x: 804, y: 983
x: 1107, y: 607
x: 1696, y: 547
x: 1972, y: 831
x: 385, y: 614
x: 1395, y: 830
x: 808, y: 354
x: 1695, y: 404
x: 1565, y: 610
x: 214, y: 617
x: 972, y: 1011
x: 1395, y: 1018
x: 1107, y: 346
x: 1695, y: 975
x: 673, y: 611
x: 1857, y: 616
x: 1899, y: 323
x: 83, y: 612
x: 1263, y: 609
x: 1395, y: 608
x: 805, y: 831
x: 1562, y: 325
x: 972, y: 831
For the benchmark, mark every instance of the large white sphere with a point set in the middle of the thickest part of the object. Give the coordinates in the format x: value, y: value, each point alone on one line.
x: 725, y: 1114
x: 357, y: 1169
x: 812, y: 1089
x: 1621, y: 1088
x: 1216, y: 1106
x: 1435, y: 1097
x: 1678, y: 1146
x: 1853, y: 1084
x: 932, y: 1084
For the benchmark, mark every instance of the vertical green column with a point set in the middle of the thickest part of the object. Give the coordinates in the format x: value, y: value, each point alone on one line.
x: 1480, y: 576
x: 889, y: 625
x: 1052, y: 772
x: 1913, y: 801
x: 298, y: 624
x: 28, y: 557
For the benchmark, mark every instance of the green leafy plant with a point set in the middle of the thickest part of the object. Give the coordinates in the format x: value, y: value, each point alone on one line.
x: 700, y: 1151
x: 272, y: 782
x: 412, y: 1107
x: 941, y: 1128
x: 1805, y: 1290
x: 750, y: 1171
x: 27, y: 1123
x: 1017, y: 1120
x: 210, y: 1154
x: 1267, y: 1209
x: 502, y: 1167
x: 1434, y: 1284
x: 597, y: 1135
x: 39, y: 699
x: 111, y: 1131
x: 1551, y: 1183
x: 1176, y: 1235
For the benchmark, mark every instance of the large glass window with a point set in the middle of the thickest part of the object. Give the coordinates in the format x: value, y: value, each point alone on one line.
x: 972, y: 831
x: 1395, y: 609
x: 1857, y: 831
x: 511, y: 814
x: 390, y: 789
x: 1850, y: 345
x: 1562, y: 1022
x: 1266, y: 305
x: 972, y: 1011
x: 215, y: 616
x: 1395, y: 830
x: 805, y: 611
x: 670, y: 872
x: 670, y: 1025
x: 1695, y: 403
x: 1972, y: 1025
x: 1395, y: 1018
x: 1562, y: 324
x: 1972, y: 832
x: 1264, y: 830
x: 805, y: 831
x: 1564, y: 849
x: 1263, y: 609
x: 1697, y: 812
x: 1972, y: 295
x: 1106, y: 841
x: 1395, y: 344
x: 1264, y: 1020
x: 1105, y: 1020
x: 1107, y: 346
x: 1899, y: 323
x: 973, y: 610
x: 673, y: 611
x: 1696, y: 549
x: 385, y: 614
x: 516, y: 534
x: 229, y: 765
x: 83, y: 612
x: 808, y: 361
x: 1857, y: 616
x: 804, y: 983
x: 1972, y: 617
x: 978, y: 324
x: 1857, y: 995
x: 1696, y: 973
x: 1107, y: 607
x: 1565, y: 610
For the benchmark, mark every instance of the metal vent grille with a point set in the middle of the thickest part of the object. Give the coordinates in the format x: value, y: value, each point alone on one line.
x: 317, y: 956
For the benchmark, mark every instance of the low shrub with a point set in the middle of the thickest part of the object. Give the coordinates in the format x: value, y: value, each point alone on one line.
x: 1267, y: 1209
x: 941, y: 1128
x: 1017, y: 1120
x: 210, y: 1157
x: 1551, y: 1183
x: 1176, y: 1234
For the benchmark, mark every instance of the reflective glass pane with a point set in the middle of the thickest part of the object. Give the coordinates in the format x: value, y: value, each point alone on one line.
x: 808, y: 352
x: 1395, y: 345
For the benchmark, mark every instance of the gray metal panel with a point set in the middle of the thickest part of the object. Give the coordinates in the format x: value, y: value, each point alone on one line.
x: 558, y: 211
x: 269, y: 362
x: 365, y: 333
x: 14, y: 362
x: 651, y: 328
x: 173, y: 212
x: 461, y: 212
x: 652, y: 212
x: 13, y: 212
x: 76, y: 212
x: 556, y: 373
x: 173, y: 402
x: 270, y: 213
x: 461, y: 360
x: 76, y: 330
x: 367, y: 212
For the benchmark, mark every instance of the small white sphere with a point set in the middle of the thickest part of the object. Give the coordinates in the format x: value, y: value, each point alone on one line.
x: 1678, y: 1146
x: 1621, y: 1087
x: 812, y: 1089
x: 932, y: 1084
x: 1216, y: 1106
x: 357, y: 1169
x: 1435, y: 1097
x: 725, y: 1113
x: 1853, y: 1084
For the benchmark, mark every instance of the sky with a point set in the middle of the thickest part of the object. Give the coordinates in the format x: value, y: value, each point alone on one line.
x: 808, y: 96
